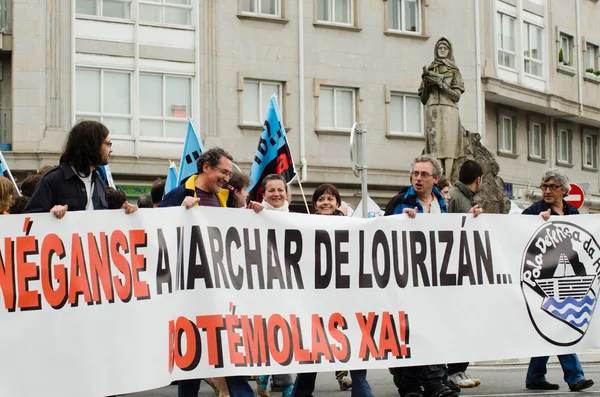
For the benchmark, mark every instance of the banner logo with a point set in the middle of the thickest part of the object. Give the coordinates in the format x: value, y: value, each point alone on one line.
x: 559, y: 279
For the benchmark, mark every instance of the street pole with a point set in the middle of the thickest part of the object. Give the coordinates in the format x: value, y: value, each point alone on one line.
x: 360, y: 146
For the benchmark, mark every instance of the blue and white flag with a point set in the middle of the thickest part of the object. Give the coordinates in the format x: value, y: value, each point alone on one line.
x: 172, y: 178
x: 106, y: 176
x: 192, y: 149
x: 5, y: 172
x: 273, y: 155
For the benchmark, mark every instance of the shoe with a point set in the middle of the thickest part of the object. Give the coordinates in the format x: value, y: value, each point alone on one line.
x: 211, y: 384
x: 414, y: 392
x: 439, y: 390
x: 262, y: 385
x: 474, y: 380
x: 543, y: 385
x: 581, y: 385
x: 452, y: 385
x: 345, y: 383
x: 287, y: 392
x: 461, y: 380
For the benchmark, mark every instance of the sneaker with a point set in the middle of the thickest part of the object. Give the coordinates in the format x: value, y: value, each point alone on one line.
x: 461, y: 380
x: 262, y: 385
x: 345, y: 382
x: 451, y: 385
x: 474, y: 380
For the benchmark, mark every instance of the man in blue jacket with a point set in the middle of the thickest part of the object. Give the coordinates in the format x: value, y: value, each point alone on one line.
x: 421, y: 197
x: 555, y: 187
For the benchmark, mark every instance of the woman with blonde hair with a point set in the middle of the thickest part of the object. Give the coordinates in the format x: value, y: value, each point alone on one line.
x: 7, y: 191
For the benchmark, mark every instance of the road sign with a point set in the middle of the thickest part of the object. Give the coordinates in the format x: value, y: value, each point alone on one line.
x: 576, y: 196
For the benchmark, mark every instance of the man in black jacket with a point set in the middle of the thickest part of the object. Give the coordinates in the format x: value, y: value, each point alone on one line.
x: 74, y: 185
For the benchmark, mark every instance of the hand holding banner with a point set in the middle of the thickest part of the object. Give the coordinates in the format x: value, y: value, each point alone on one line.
x: 273, y: 155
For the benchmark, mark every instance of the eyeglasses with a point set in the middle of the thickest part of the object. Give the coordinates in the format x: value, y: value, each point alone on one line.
x: 424, y: 174
x: 543, y: 186
x: 108, y: 143
x: 225, y: 173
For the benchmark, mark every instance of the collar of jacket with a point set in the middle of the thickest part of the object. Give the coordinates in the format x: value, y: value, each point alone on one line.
x: 68, y: 172
x: 466, y: 191
x: 410, y: 197
x: 190, y: 187
x: 568, y: 209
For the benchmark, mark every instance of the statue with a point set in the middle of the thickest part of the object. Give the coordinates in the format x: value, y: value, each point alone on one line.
x: 440, y: 91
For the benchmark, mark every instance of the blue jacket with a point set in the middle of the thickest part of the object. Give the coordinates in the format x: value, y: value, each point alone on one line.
x: 540, y: 206
x: 409, y: 200
x: 176, y: 196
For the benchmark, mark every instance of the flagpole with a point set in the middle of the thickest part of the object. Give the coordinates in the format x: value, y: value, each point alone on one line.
x: 303, y: 196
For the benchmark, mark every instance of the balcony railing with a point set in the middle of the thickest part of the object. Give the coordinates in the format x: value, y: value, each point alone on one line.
x: 5, y: 133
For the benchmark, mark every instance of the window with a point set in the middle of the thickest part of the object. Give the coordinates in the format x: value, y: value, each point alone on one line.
x: 564, y: 53
x: 507, y: 126
x: 104, y: 8
x: 105, y: 96
x: 406, y: 114
x: 591, y: 57
x: 337, y: 108
x: 256, y: 97
x: 532, y: 49
x: 590, y: 149
x: 506, y: 40
x: 537, y: 140
x: 165, y: 105
x: 404, y: 15
x: 173, y: 12
x: 564, y: 147
x: 262, y: 7
x: 335, y: 11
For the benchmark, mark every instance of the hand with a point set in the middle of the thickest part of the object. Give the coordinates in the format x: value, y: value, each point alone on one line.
x: 476, y: 211
x: 546, y: 214
x: 59, y: 211
x: 411, y: 212
x: 129, y: 208
x: 344, y: 210
x: 257, y: 207
x: 190, y: 202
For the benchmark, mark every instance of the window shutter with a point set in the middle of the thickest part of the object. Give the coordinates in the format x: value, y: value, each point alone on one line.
x: 544, y: 141
x: 570, y: 146
x: 514, y: 135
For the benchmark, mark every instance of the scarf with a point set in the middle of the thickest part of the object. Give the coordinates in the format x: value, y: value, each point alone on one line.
x: 284, y: 208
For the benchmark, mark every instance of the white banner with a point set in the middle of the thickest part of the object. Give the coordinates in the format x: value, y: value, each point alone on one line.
x: 101, y: 303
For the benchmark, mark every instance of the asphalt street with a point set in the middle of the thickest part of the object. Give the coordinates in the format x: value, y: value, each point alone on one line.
x: 495, y: 381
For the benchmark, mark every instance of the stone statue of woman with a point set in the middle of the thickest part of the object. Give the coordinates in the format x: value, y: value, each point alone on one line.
x: 440, y: 91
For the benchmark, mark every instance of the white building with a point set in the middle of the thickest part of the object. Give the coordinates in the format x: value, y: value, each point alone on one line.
x: 143, y: 66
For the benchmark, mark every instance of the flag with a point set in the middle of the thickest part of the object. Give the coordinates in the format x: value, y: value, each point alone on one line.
x: 172, y: 178
x: 106, y: 176
x: 192, y: 149
x: 273, y: 154
x: 373, y: 209
x: 5, y: 172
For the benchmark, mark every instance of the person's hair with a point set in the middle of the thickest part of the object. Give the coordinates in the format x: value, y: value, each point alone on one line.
x: 7, y: 191
x: 559, y: 176
x: 18, y: 204
x: 237, y: 181
x: 443, y: 183
x: 469, y: 171
x: 438, y: 170
x: 273, y: 177
x: 326, y: 188
x: 42, y: 171
x: 158, y: 190
x: 83, y: 148
x: 29, y: 184
x: 145, y: 201
x: 212, y: 157
x: 115, y: 198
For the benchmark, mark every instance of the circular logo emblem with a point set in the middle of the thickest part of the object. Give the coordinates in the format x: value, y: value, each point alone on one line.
x: 559, y: 279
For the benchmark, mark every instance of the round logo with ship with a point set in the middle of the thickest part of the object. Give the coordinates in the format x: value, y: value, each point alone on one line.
x: 559, y: 280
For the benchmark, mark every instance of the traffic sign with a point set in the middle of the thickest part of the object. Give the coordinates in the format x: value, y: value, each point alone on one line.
x: 576, y: 196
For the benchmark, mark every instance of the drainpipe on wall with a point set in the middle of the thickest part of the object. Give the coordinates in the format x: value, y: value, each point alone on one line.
x: 136, y: 76
x: 479, y: 92
x: 73, y: 70
x: 304, y: 174
x: 579, y: 58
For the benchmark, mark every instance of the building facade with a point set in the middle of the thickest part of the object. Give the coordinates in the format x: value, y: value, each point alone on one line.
x: 143, y: 66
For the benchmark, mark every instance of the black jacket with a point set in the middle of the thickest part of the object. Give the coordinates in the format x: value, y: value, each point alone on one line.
x: 540, y: 206
x: 61, y: 186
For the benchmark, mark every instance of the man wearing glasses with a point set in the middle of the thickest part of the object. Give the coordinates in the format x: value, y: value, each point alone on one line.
x: 555, y: 187
x: 421, y: 197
